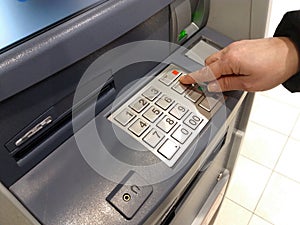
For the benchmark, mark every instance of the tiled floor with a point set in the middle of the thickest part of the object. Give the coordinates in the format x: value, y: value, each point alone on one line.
x: 265, y: 185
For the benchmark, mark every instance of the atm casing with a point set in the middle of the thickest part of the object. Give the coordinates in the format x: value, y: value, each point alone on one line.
x: 46, y: 180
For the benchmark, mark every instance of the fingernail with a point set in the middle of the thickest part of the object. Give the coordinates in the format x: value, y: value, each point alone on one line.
x: 213, y: 87
x: 182, y: 78
x: 186, y: 79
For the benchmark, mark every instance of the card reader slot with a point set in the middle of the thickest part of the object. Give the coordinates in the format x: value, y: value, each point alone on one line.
x: 20, y: 145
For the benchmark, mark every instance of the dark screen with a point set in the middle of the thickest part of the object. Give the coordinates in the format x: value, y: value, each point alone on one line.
x: 21, y: 18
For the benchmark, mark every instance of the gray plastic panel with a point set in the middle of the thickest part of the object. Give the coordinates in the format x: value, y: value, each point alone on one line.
x: 67, y: 190
x: 88, y: 32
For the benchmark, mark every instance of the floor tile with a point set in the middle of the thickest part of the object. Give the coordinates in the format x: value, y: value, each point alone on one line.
x: 247, y: 183
x: 281, y: 94
x: 262, y: 145
x: 255, y: 220
x: 296, y: 130
x: 232, y: 214
x: 273, y: 114
x: 288, y: 163
x: 280, y: 201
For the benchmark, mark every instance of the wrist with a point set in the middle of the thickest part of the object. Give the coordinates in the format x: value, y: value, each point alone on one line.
x: 292, y: 55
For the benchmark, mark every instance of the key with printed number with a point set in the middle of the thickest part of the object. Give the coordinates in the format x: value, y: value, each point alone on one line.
x: 178, y: 111
x: 181, y: 134
x: 139, y: 105
x: 153, y: 138
x: 151, y: 93
x: 164, y: 102
x: 152, y: 113
x: 139, y: 127
x: 193, y: 121
x: 166, y: 124
x: 124, y: 117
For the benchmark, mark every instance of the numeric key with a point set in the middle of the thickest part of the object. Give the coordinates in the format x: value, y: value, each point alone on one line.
x: 139, y: 105
x: 181, y: 134
x: 193, y: 121
x: 153, y: 138
x: 139, y: 127
x: 152, y: 114
x: 151, y: 93
x: 178, y: 111
x: 166, y: 124
x: 124, y: 117
x: 164, y: 102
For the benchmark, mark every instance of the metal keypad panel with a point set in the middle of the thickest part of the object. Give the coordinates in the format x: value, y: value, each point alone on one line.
x: 166, y: 116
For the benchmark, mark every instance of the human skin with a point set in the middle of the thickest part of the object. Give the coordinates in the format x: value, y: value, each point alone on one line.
x: 249, y: 65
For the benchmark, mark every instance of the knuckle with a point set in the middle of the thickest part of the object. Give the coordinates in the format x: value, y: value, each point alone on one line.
x: 231, y: 56
x: 226, y: 84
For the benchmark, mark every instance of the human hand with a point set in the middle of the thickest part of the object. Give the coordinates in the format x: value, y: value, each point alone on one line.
x: 250, y: 65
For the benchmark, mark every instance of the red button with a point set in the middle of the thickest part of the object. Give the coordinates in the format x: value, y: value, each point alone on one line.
x: 175, y: 72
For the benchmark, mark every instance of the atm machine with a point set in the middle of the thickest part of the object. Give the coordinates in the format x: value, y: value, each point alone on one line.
x: 96, y: 128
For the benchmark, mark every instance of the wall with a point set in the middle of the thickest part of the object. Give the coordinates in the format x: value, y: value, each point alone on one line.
x: 239, y: 19
x: 277, y: 10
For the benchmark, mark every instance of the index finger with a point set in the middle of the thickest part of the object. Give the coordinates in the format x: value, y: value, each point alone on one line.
x: 203, y: 75
x: 212, y: 58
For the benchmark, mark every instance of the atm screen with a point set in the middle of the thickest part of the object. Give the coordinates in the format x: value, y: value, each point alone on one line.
x: 20, y: 19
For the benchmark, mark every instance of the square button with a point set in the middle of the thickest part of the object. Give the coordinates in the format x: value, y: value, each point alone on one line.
x: 169, y: 76
x: 179, y: 88
x: 139, y: 105
x: 164, y: 102
x: 168, y: 149
x: 194, y: 96
x: 166, y: 124
x: 151, y: 93
x: 139, y: 127
x: 209, y: 102
x: 193, y: 121
x: 124, y: 117
x: 181, y: 134
x: 153, y: 138
x: 178, y: 111
x: 152, y: 113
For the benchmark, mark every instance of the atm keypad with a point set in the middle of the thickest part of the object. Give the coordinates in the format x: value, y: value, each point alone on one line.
x: 165, y: 116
